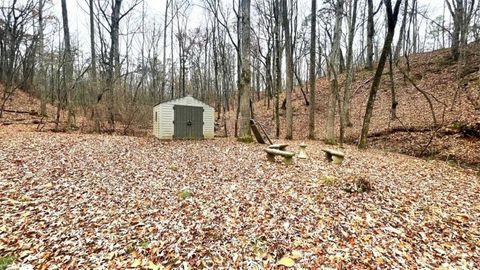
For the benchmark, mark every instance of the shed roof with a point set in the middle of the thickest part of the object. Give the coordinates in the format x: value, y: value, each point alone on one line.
x: 182, y: 98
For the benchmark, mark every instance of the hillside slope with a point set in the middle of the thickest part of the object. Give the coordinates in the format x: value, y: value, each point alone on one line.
x: 22, y: 112
x: 411, y: 133
x: 433, y: 73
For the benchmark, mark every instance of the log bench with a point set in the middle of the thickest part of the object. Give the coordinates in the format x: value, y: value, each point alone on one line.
x: 280, y: 146
x: 288, y: 156
x: 334, y: 155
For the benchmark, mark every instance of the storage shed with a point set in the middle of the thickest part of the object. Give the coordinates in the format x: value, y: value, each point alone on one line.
x: 183, y: 118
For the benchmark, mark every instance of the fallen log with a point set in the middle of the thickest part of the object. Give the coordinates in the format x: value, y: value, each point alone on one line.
x: 32, y: 112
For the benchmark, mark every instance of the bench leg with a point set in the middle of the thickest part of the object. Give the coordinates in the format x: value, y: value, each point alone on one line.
x: 337, y: 159
x: 288, y: 160
x: 271, y: 157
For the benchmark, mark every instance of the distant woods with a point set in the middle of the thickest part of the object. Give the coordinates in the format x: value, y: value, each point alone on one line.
x: 126, y: 59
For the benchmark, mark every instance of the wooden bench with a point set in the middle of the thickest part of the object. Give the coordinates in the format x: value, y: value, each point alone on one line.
x: 280, y: 146
x: 288, y: 156
x: 333, y: 155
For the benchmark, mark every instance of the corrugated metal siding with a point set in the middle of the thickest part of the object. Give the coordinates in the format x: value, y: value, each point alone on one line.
x: 208, y: 122
x: 166, y: 121
x: 165, y: 127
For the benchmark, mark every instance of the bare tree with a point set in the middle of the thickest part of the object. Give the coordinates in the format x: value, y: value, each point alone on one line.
x: 244, y: 90
x: 334, y: 64
x: 68, y: 66
x: 371, y: 32
x: 15, y: 41
x: 312, y: 69
x: 40, y: 52
x: 392, y: 16
x: 461, y: 12
x: 350, y: 69
x: 278, y: 51
x: 113, y: 58
x: 93, y: 65
x: 289, y: 69
x: 166, y: 22
x: 401, y: 36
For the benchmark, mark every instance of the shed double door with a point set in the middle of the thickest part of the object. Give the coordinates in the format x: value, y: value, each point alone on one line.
x: 187, y: 122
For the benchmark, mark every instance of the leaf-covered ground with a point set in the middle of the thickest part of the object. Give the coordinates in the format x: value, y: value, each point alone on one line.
x: 97, y: 202
x: 434, y: 73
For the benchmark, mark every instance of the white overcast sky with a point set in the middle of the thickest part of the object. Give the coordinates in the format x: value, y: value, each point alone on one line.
x: 79, y: 24
x: 78, y: 16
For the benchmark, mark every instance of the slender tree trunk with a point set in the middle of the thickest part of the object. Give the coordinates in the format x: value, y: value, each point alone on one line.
x: 245, y: 80
x: 402, y: 32
x: 41, y: 62
x: 278, y: 67
x: 387, y: 46
x: 164, y: 58
x: 312, y: 76
x: 93, y: 66
x: 239, y: 65
x: 172, y: 70
x: 289, y: 70
x: 93, y: 63
x: 393, y: 109
x: 215, y: 68
x: 370, y: 34
x: 114, y: 60
x: 350, y: 71
x: 268, y: 71
x: 414, y: 26
x: 68, y: 67
x: 333, y: 67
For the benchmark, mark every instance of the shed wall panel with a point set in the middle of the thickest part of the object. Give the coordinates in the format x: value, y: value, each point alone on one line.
x: 156, y: 121
x: 164, y: 128
x: 208, y: 123
x: 166, y: 121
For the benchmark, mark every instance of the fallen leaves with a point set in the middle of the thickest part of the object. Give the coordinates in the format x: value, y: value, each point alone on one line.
x: 393, y: 230
x: 90, y: 201
x: 459, y: 218
x: 137, y: 262
x: 286, y: 261
x: 154, y: 266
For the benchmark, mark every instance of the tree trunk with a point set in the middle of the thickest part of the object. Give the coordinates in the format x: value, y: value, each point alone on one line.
x: 245, y: 87
x: 239, y: 65
x: 268, y: 72
x: 387, y: 46
x: 289, y: 70
x: 414, y: 26
x: 42, y: 72
x: 312, y: 76
x: 350, y: 72
x: 93, y: 66
x: 402, y: 32
x: 333, y: 67
x: 114, y: 60
x: 164, y: 58
x: 370, y: 34
x: 393, y: 109
x: 68, y: 67
x: 278, y: 67
x: 461, y: 12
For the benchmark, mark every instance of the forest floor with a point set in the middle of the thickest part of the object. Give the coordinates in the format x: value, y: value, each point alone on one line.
x: 456, y: 138
x: 97, y: 201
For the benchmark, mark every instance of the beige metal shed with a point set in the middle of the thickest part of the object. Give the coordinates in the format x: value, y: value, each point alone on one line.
x: 183, y: 118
